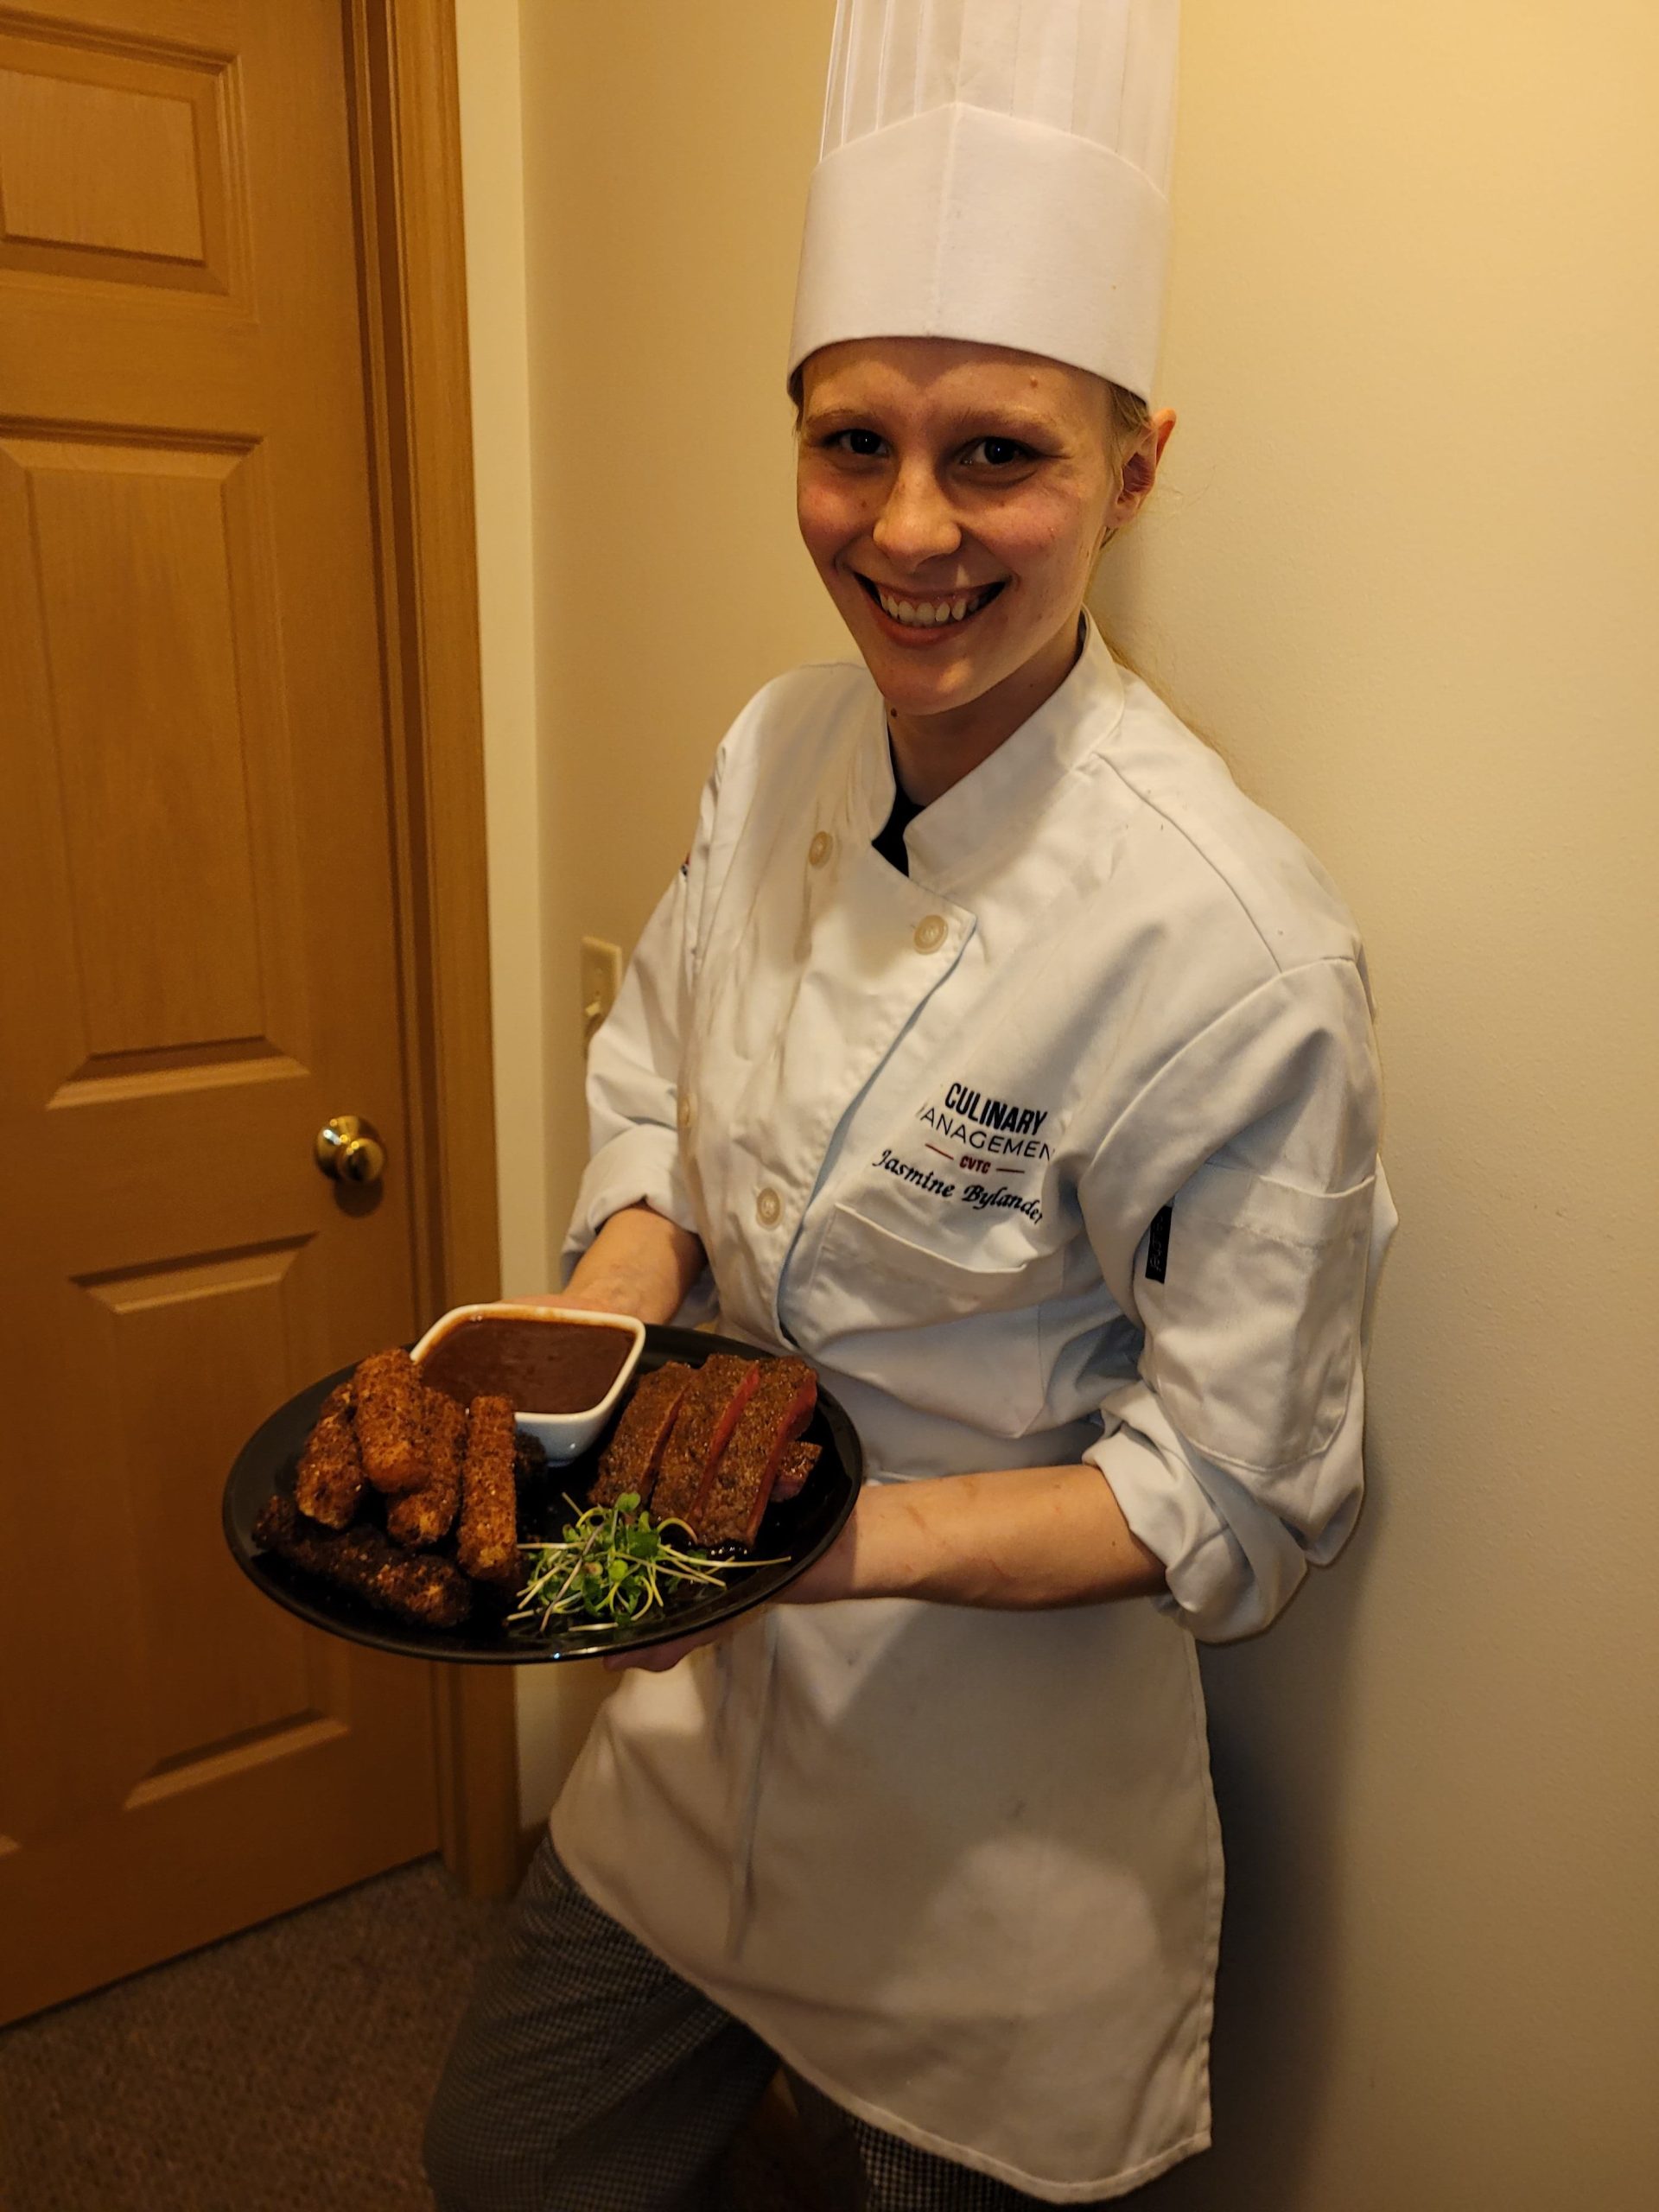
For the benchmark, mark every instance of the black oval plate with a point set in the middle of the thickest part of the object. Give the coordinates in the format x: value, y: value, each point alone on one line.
x: 793, y: 1535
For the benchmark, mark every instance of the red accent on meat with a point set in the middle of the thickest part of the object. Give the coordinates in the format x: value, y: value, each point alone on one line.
x: 717, y: 1394
x: 793, y: 1469
x: 740, y: 1488
x: 630, y: 1460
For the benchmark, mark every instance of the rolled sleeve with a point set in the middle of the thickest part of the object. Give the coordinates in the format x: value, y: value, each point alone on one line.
x: 1236, y: 1451
x: 632, y: 1088
x: 1232, y: 1563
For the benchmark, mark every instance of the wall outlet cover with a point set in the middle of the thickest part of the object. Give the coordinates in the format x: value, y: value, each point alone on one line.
x: 602, y: 979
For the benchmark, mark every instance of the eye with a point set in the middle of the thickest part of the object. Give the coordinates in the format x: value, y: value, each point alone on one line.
x: 864, y: 445
x: 996, y: 452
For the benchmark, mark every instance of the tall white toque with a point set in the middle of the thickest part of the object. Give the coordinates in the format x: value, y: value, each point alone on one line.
x: 995, y: 170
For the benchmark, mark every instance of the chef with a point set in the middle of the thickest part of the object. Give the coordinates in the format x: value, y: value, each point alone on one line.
x: 995, y: 1054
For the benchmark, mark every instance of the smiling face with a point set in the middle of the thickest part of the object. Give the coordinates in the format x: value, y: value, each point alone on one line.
x: 954, y: 498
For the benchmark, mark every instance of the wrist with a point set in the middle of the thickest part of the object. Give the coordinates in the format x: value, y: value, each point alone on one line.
x: 635, y: 1291
x: 640, y: 1263
x: 867, y: 1560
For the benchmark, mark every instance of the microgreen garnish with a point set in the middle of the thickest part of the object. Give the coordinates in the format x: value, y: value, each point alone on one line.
x: 612, y: 1565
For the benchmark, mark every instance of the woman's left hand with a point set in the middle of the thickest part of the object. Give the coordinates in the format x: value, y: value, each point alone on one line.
x: 829, y: 1577
x: 1018, y: 1539
x: 658, y: 1658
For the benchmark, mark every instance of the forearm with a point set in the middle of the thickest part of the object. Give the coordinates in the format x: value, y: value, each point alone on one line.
x: 639, y: 1263
x: 1021, y: 1539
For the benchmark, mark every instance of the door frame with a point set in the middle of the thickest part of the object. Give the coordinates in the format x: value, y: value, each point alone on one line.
x: 406, y: 161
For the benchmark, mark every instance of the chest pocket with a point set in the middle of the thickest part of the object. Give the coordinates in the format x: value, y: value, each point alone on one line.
x: 934, y: 1332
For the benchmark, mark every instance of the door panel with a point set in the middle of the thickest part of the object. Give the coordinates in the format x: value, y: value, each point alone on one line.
x: 118, y: 164
x: 168, y: 535
x: 200, y: 967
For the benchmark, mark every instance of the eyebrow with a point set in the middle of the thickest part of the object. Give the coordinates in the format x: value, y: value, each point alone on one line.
x: 995, y: 420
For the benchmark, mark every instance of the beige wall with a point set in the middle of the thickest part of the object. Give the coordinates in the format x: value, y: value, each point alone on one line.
x: 1405, y: 573
x: 1403, y: 570
x: 668, y: 150
x: 549, y: 1712
x: 493, y: 173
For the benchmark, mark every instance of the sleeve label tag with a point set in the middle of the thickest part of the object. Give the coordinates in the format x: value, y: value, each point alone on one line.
x: 1158, y: 1244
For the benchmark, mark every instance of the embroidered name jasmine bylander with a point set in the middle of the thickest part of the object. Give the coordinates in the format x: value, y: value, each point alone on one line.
x: 991, y: 1200
x: 992, y: 1125
x: 923, y: 1177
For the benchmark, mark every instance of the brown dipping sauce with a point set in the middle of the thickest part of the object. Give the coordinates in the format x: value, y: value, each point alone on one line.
x: 544, y: 1367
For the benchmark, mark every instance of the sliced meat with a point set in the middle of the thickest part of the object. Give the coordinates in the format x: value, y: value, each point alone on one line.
x: 738, y: 1488
x: 797, y: 1464
x: 391, y: 1422
x: 488, y: 1544
x: 421, y: 1516
x: 716, y: 1395
x: 429, y: 1592
x: 329, y: 1482
x: 630, y: 1460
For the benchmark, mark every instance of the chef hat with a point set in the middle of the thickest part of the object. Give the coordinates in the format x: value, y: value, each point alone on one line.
x: 995, y: 170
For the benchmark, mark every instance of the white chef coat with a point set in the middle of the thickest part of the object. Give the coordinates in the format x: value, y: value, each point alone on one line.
x: 961, y: 1868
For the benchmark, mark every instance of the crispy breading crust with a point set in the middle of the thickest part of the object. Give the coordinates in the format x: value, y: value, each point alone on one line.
x: 793, y: 1469
x: 329, y: 1482
x: 739, y: 1484
x: 487, y: 1543
x: 629, y: 1461
x: 391, y: 1428
x: 429, y: 1592
x: 717, y: 1394
x: 421, y: 1516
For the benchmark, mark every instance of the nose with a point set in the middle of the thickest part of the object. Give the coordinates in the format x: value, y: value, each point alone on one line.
x: 916, y: 523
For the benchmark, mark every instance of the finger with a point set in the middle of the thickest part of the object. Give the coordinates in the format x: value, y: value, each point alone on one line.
x: 658, y: 1658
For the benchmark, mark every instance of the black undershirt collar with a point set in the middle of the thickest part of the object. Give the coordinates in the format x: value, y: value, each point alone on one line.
x: 889, y: 840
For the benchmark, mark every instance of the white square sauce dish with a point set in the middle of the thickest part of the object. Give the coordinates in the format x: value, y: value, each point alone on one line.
x: 564, y: 1370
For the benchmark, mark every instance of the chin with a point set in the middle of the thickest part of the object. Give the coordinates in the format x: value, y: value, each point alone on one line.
x: 918, y: 681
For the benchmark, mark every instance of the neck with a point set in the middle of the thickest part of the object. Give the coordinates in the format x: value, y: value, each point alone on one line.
x: 931, y: 752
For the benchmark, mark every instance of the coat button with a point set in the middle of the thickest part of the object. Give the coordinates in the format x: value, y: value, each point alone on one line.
x: 931, y: 932
x: 682, y: 1112
x: 768, y: 1209
x: 820, y: 849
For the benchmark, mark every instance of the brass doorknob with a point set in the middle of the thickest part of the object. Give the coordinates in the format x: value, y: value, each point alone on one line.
x: 350, y: 1150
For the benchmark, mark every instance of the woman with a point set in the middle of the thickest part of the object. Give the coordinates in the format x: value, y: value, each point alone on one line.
x: 992, y: 1050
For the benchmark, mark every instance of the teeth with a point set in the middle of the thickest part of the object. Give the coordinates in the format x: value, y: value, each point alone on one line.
x: 931, y: 614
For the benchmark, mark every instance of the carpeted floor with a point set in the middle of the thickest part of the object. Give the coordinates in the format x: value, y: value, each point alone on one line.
x: 285, y: 2070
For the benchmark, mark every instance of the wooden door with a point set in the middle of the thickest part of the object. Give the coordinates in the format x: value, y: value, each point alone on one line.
x: 199, y: 965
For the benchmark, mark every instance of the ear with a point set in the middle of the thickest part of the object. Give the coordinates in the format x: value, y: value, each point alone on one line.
x: 1140, y: 468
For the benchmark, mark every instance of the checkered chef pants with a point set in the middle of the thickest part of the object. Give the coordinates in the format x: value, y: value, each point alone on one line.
x: 586, y: 2078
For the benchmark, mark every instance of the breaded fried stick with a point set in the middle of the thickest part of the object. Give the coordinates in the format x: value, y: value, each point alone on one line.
x: 329, y: 1482
x: 429, y: 1592
x: 421, y: 1516
x: 390, y: 1427
x: 487, y: 1545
